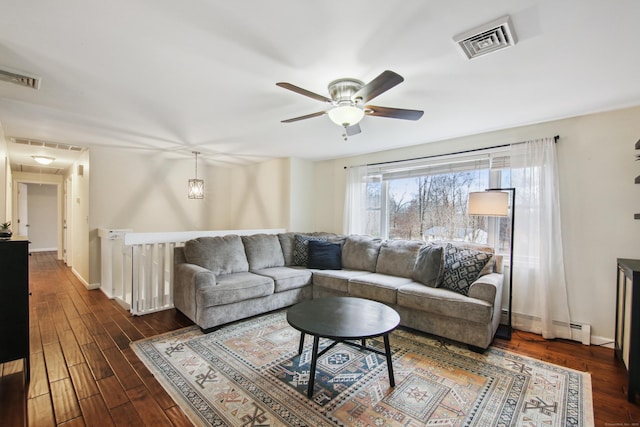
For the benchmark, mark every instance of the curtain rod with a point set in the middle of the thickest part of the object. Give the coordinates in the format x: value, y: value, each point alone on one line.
x: 555, y: 139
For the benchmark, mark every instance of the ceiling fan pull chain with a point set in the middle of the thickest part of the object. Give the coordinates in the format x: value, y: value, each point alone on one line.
x: 344, y: 135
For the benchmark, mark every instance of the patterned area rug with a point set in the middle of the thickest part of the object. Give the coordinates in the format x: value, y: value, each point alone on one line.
x: 250, y: 374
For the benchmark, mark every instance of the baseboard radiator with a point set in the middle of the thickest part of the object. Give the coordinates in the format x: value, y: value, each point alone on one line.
x: 573, y: 331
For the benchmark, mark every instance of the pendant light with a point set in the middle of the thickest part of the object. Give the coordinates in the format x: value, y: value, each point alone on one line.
x: 196, y: 186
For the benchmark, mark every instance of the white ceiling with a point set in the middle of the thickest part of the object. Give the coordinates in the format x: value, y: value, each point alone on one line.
x: 200, y: 75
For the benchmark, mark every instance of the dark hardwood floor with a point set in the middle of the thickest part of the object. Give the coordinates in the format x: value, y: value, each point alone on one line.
x: 83, y: 372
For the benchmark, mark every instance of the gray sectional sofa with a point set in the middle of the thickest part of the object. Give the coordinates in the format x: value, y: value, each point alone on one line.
x: 448, y: 289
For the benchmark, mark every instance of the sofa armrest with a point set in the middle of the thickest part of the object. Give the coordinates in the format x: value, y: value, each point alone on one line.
x: 187, y: 280
x: 487, y: 287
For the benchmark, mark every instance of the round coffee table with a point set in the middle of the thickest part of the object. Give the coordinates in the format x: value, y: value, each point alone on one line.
x: 343, y: 319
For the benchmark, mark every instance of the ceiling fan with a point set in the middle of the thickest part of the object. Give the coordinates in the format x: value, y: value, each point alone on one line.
x: 349, y: 98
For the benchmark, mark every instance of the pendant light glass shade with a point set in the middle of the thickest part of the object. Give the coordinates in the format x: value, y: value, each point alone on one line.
x: 196, y: 189
x: 195, y: 185
x: 346, y: 115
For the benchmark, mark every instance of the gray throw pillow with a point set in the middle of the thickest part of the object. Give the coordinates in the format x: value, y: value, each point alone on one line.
x: 301, y: 249
x: 263, y: 251
x: 220, y: 254
x: 462, y: 268
x: 361, y: 253
x: 429, y: 266
x: 398, y: 257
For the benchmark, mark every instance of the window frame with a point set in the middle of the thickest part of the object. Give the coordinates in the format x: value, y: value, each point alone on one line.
x: 496, y: 160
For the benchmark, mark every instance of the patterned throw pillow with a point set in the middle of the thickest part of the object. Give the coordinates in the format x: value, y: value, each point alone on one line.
x: 462, y: 267
x: 301, y: 249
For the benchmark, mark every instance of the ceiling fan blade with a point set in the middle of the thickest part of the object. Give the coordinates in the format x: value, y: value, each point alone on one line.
x: 308, y: 116
x: 353, y: 130
x: 304, y: 92
x: 394, y: 113
x: 385, y: 81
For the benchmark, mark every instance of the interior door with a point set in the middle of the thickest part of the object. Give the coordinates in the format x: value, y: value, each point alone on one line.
x: 23, y: 210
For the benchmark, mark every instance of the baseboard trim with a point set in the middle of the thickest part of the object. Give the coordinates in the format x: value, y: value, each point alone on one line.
x: 86, y: 284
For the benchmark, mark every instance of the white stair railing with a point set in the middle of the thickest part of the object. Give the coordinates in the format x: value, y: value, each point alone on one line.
x: 148, y: 263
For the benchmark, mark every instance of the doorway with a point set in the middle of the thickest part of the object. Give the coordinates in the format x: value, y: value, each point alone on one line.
x: 38, y: 208
x: 38, y: 216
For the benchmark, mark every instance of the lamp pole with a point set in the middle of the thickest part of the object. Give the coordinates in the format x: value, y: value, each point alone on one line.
x: 502, y: 332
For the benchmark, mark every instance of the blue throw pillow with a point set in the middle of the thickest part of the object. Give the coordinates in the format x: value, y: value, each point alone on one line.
x: 324, y: 255
x: 300, y: 248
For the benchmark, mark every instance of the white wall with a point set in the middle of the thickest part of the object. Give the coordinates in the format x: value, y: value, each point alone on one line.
x: 598, y: 200
x: 81, y: 255
x: 276, y: 193
x: 301, y: 195
x: 145, y: 191
x: 42, y: 205
x: 259, y: 196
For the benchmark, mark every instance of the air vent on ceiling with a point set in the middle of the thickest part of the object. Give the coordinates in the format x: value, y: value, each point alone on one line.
x: 487, y: 38
x: 54, y: 145
x: 19, y: 78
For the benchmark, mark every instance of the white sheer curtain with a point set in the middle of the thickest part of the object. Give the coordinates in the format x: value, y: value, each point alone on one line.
x: 355, y: 200
x: 539, y: 287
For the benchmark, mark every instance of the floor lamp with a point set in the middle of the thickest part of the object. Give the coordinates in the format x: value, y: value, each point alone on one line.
x: 495, y: 202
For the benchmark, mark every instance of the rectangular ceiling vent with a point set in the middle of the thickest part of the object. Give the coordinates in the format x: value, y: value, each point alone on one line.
x: 54, y: 145
x: 19, y: 78
x: 490, y: 37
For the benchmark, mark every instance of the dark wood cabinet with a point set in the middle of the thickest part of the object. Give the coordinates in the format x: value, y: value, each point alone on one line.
x: 14, y: 301
x: 627, y: 336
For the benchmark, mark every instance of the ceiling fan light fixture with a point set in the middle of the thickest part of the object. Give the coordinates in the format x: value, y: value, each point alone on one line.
x: 43, y: 160
x: 346, y: 115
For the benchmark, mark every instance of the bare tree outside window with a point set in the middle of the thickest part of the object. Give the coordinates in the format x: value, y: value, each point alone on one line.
x: 434, y: 207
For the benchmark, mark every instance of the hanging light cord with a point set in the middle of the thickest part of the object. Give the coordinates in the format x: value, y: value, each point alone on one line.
x: 196, y: 153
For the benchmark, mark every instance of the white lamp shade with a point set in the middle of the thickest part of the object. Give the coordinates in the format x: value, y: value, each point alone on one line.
x: 489, y: 203
x: 346, y: 115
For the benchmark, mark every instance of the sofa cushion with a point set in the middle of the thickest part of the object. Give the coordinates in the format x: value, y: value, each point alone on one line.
x: 398, y: 257
x: 220, y: 254
x: 429, y: 266
x: 444, y: 302
x: 361, y: 253
x: 235, y: 287
x: 337, y: 280
x: 301, y: 248
x: 263, y: 251
x: 376, y: 286
x: 462, y: 267
x: 286, y: 278
x: 324, y: 255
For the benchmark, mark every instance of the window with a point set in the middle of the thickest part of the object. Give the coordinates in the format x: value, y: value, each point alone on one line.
x: 427, y: 199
